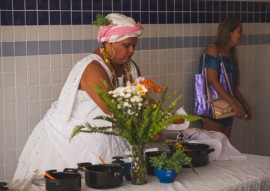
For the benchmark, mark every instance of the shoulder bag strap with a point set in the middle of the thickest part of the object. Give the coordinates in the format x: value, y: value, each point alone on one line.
x: 225, y: 73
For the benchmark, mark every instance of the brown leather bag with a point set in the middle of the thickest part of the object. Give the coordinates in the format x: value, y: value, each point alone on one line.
x: 220, y: 107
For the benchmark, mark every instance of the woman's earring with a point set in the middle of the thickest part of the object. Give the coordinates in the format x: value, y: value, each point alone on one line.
x: 114, y: 53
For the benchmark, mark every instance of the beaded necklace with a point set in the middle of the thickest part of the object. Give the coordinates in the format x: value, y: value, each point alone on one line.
x: 127, y: 73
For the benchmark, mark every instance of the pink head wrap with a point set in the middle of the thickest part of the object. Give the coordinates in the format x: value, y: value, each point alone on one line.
x: 122, y: 27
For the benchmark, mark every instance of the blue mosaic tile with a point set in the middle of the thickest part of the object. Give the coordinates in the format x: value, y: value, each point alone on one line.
x: 186, y: 5
x: 87, y: 5
x: 31, y: 4
x: 202, y: 6
x: 135, y: 5
x: 87, y: 46
x: 76, y: 18
x: 153, y: 18
x: 186, y: 17
x: 117, y: 5
x: 256, y: 6
x: 5, y: 5
x: 76, y: 5
x: 143, y: 44
x: 162, y: 43
x: 202, y: 17
x: 7, y: 49
x: 65, y: 18
x: 145, y: 17
x: 43, y: 17
x: 19, y: 17
x: 108, y: 6
x: 18, y: 5
x: 171, y: 42
x: 250, y: 6
x: 31, y: 17
x: 244, y: 6
x: 43, y: 48
x: 194, y: 5
x: 179, y: 42
x: 20, y: 48
x: 32, y: 48
x: 216, y: 6
x: 153, y: 5
x: 237, y: 6
x: 55, y: 18
x: 223, y: 6
x: 144, y: 6
x: 76, y: 46
x: 126, y: 5
x: 65, y: 5
x: 66, y: 47
x: 6, y: 18
x: 209, y: 6
x: 136, y: 16
x: 161, y: 5
x: 170, y: 18
x: 178, y: 17
x: 162, y: 18
x: 170, y: 5
x: 43, y: 5
x: 87, y: 18
x: 97, y: 5
x: 54, y: 5
x: 194, y: 17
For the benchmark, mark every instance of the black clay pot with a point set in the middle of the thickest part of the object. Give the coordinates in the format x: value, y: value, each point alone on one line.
x: 67, y: 180
x: 199, y: 153
x: 103, y: 176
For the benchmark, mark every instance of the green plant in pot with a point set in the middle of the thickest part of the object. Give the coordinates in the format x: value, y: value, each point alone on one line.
x: 167, y: 165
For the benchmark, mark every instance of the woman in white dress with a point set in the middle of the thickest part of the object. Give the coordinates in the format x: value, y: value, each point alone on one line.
x: 49, y: 147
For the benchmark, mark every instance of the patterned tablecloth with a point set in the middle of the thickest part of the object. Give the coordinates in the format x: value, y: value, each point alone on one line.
x: 252, y: 174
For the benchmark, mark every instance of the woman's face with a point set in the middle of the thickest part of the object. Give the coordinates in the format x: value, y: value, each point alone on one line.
x: 123, y: 50
x: 236, y: 36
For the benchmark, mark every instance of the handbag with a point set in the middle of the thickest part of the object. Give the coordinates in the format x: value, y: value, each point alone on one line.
x: 207, y: 101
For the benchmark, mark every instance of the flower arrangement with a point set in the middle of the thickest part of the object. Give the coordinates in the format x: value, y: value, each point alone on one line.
x: 135, y: 115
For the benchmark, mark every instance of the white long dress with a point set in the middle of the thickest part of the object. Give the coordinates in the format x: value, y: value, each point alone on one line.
x: 48, y: 146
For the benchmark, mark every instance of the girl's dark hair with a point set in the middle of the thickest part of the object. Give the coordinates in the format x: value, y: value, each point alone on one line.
x: 225, y: 28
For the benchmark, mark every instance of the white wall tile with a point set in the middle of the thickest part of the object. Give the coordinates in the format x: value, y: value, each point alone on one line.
x: 9, y: 111
x: 8, y: 64
x: 22, y: 125
x: 20, y: 33
x: 10, y: 156
x: 9, y: 126
x: 8, y: 79
x: 21, y: 79
x: 32, y: 33
x: 7, y: 34
x: 9, y: 141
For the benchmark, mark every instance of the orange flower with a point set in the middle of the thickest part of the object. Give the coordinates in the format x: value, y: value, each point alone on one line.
x: 158, y: 89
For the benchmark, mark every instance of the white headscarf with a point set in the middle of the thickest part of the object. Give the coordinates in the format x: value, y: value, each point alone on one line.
x: 121, y: 27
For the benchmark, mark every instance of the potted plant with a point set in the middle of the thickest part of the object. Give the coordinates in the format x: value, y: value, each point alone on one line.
x: 167, y: 165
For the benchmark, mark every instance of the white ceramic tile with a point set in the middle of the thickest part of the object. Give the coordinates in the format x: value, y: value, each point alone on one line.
x: 1, y: 136
x: 9, y: 95
x: 21, y: 139
x: 45, y: 77
x: 87, y: 32
x: 55, y: 61
x: 44, y: 62
x: 9, y: 126
x: 45, y: 92
x: 20, y: 63
x: 21, y: 79
x: 56, y: 89
x: 8, y: 79
x: 32, y: 33
x: 22, y: 94
x: 22, y: 109
x: 32, y: 63
x: 9, y: 171
x: 33, y: 121
x: 8, y: 64
x: 9, y: 141
x: 10, y: 156
x: 44, y: 106
x: 1, y: 116
x: 2, y: 170
x: 66, y: 32
x: 66, y: 61
x: 43, y: 33
x: 33, y: 78
x: 2, y: 155
x: 20, y: 33
x: 55, y: 32
x: 7, y: 33
x: 76, y: 32
x: 22, y: 125
x: 33, y: 108
x: 162, y: 30
x: 33, y: 92
x: 56, y: 76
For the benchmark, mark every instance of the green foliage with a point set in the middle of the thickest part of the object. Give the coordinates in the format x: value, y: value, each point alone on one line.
x: 138, y: 128
x: 101, y: 20
x: 173, y: 162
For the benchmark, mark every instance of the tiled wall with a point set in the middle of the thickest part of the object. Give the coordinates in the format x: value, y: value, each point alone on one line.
x: 41, y: 40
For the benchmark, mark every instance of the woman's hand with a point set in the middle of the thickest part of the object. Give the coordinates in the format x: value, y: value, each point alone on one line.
x: 239, y: 111
x: 248, y: 112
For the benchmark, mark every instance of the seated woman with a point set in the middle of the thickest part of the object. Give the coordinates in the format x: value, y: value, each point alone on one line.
x: 49, y: 147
